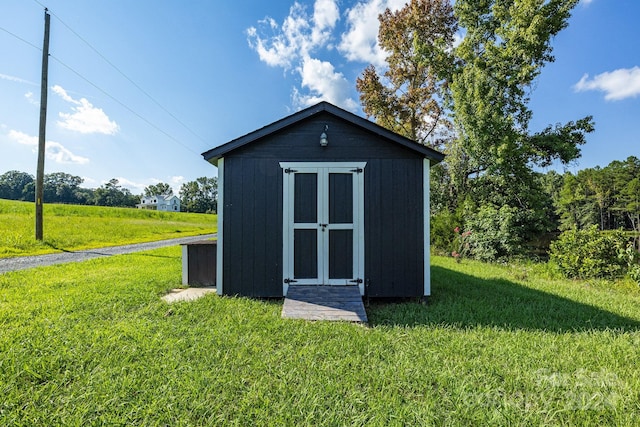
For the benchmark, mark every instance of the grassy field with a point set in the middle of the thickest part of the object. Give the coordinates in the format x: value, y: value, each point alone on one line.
x: 92, y: 344
x: 73, y: 227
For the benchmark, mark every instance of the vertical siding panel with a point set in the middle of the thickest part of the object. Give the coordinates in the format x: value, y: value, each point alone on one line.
x: 259, y: 236
x: 407, y: 215
x: 373, y: 204
x: 399, y: 222
x: 233, y: 218
x: 389, y: 229
x: 229, y: 184
x: 248, y: 216
x: 276, y: 230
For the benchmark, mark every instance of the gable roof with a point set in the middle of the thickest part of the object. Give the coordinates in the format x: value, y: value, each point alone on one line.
x: 216, y: 153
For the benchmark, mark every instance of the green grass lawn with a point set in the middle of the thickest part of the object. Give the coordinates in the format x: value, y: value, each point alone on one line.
x: 92, y: 344
x: 73, y: 227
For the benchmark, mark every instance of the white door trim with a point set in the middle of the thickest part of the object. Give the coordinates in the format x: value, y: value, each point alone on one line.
x: 358, y: 220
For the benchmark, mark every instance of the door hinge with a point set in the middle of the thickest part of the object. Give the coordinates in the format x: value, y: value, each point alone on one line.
x: 289, y: 170
x: 287, y: 280
x: 358, y: 280
x: 357, y: 170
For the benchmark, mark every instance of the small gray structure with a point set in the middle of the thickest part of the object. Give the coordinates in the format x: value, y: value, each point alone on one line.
x: 323, y: 197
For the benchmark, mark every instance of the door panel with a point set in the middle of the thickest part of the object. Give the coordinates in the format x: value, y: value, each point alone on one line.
x: 305, y: 198
x: 305, y: 254
x: 341, y: 198
x: 340, y: 254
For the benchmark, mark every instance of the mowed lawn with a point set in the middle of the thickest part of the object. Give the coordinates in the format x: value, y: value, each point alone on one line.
x: 74, y: 227
x: 93, y: 344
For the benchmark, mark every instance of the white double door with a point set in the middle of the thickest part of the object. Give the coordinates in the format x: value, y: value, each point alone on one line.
x: 323, y: 224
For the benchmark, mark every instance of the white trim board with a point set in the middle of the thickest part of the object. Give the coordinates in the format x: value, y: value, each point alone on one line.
x: 426, y: 212
x: 220, y: 209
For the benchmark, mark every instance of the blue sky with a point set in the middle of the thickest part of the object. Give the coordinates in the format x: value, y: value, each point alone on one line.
x: 138, y: 89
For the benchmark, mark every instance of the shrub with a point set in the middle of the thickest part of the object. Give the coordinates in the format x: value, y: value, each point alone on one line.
x: 590, y: 253
x: 461, y: 244
x: 495, y: 233
x: 634, y: 273
x: 442, y: 237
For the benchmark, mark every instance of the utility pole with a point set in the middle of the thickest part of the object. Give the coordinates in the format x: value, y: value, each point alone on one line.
x: 43, y: 125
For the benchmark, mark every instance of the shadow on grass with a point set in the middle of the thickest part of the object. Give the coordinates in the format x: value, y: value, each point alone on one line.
x: 463, y: 301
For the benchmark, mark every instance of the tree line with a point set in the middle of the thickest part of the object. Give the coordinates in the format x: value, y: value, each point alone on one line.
x: 607, y: 197
x: 200, y: 196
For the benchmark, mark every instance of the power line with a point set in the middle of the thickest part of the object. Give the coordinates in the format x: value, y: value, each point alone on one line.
x: 122, y: 104
x: 125, y: 76
x: 103, y: 91
x: 21, y: 39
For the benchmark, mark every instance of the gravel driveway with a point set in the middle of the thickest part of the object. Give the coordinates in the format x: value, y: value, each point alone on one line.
x: 22, y: 263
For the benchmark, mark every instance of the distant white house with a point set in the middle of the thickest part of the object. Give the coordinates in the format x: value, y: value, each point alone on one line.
x: 160, y: 203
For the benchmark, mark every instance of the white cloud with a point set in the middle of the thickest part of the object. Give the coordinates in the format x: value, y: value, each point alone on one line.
x: 58, y: 153
x: 325, y: 16
x: 30, y: 99
x: 294, y: 45
x: 23, y: 138
x: 85, y: 118
x: 179, y: 179
x: 298, y: 35
x: 277, y: 54
x: 54, y: 150
x: 134, y: 187
x: 290, y: 41
x: 16, y: 79
x: 360, y: 41
x: 88, y: 182
x: 176, y: 182
x: 457, y: 38
x: 59, y: 90
x: 617, y: 85
x: 324, y: 83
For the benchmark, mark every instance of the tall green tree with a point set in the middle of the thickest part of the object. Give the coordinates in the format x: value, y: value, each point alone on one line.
x: 113, y: 194
x: 504, y: 49
x: 605, y: 197
x: 408, y: 97
x: 631, y: 199
x: 486, y: 82
x: 622, y: 174
x: 61, y: 187
x: 575, y: 206
x: 200, y: 196
x: 16, y: 185
x: 505, y: 46
x: 159, y: 189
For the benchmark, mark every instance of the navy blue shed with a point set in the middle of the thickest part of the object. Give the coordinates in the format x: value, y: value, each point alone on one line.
x: 323, y: 197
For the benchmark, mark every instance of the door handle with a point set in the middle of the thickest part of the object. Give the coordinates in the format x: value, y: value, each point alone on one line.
x: 324, y: 226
